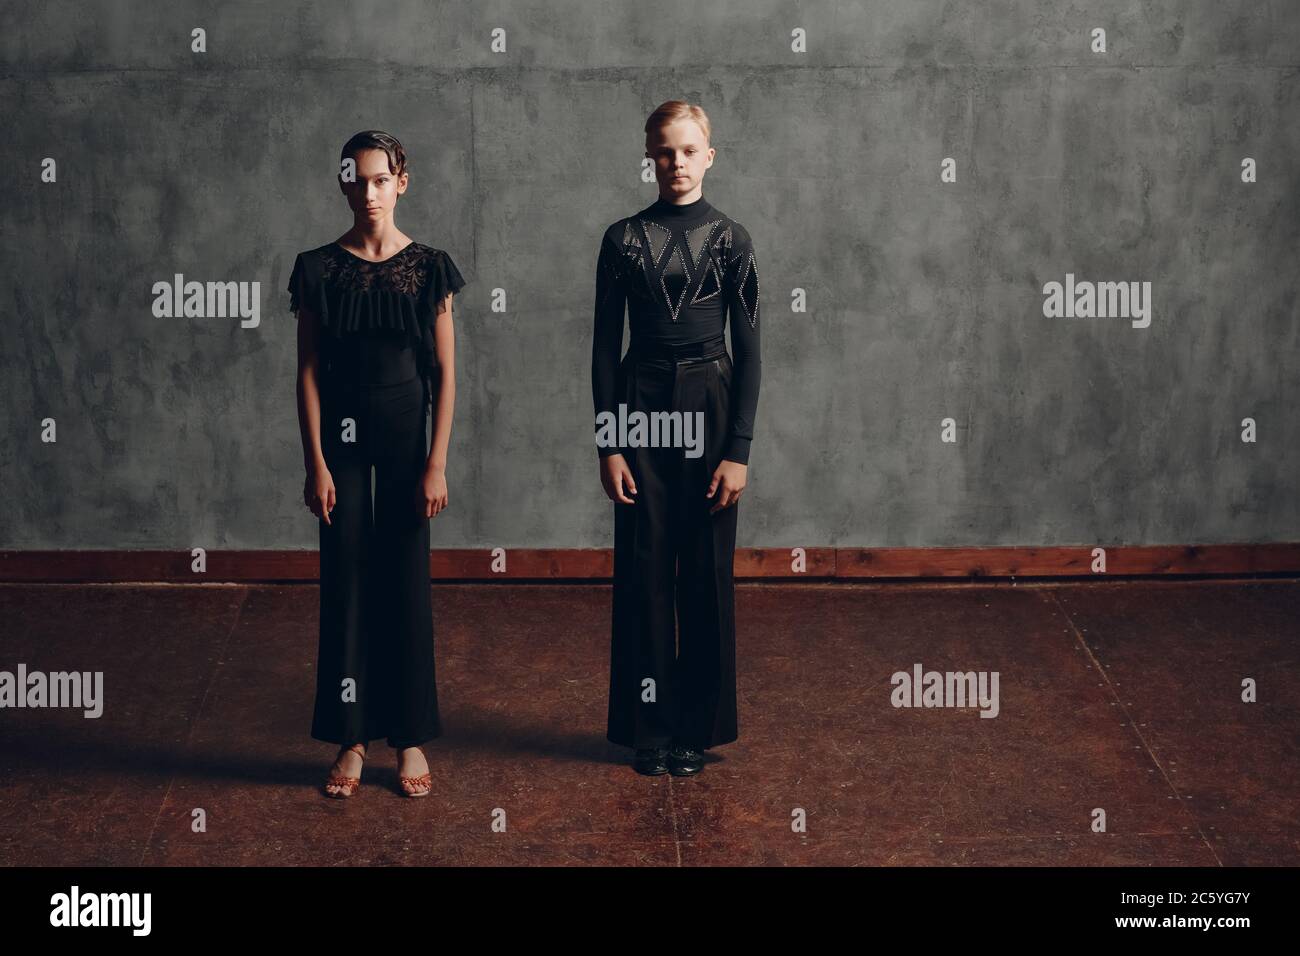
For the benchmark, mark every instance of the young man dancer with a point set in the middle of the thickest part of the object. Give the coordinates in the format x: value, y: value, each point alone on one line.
x: 681, y: 266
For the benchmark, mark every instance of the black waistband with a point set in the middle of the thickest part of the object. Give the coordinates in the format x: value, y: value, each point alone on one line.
x: 663, y: 352
x: 351, y: 378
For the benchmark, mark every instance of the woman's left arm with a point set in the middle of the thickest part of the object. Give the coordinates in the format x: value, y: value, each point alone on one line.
x: 435, y: 469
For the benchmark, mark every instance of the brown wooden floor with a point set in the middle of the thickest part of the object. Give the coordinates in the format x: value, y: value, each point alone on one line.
x: 1124, y: 696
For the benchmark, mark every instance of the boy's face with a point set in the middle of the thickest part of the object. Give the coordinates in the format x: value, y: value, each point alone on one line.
x: 681, y: 154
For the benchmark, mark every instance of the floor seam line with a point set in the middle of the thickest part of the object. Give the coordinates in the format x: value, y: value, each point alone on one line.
x: 1133, y: 725
x: 672, y: 813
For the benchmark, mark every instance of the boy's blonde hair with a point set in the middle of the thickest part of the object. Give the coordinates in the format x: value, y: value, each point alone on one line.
x: 674, y: 110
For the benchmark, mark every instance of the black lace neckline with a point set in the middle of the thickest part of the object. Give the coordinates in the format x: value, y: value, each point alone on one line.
x: 376, y: 262
x: 405, y: 271
x: 351, y: 294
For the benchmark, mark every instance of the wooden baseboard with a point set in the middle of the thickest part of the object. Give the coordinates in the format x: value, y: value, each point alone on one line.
x: 596, y: 564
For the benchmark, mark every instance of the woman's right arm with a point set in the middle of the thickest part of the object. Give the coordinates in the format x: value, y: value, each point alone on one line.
x: 318, y: 490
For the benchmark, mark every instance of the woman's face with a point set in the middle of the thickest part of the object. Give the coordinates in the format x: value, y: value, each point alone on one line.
x: 681, y: 154
x: 374, y: 194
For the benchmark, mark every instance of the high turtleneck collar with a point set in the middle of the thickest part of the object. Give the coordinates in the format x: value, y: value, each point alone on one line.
x: 691, y: 210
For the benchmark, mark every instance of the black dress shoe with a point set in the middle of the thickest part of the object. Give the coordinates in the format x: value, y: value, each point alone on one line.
x: 651, y: 761
x: 684, y: 761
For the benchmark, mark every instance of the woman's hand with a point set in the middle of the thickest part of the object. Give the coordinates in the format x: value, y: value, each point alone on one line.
x: 615, y: 476
x: 433, y: 492
x: 729, y: 480
x: 318, y: 492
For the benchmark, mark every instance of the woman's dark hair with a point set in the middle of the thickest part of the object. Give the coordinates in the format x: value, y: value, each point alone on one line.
x: 377, y: 139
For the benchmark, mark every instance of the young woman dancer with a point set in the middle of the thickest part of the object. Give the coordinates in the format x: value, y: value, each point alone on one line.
x: 375, y: 350
x: 680, y: 266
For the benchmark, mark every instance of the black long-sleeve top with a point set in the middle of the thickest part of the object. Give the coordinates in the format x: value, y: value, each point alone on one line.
x: 680, y: 270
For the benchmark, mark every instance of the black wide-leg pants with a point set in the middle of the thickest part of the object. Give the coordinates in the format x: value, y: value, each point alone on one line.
x: 375, y: 667
x: 673, y: 649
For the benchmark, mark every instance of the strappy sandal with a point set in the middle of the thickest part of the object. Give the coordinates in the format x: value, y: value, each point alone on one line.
x: 410, y: 784
x: 347, y: 786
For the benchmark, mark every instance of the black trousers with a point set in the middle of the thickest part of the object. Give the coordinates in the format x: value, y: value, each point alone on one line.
x: 375, y: 668
x: 673, y: 650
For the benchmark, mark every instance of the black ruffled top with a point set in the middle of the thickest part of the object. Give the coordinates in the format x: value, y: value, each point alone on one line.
x: 375, y: 319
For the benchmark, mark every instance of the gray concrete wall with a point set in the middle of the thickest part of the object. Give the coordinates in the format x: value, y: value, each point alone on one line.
x: 924, y: 298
